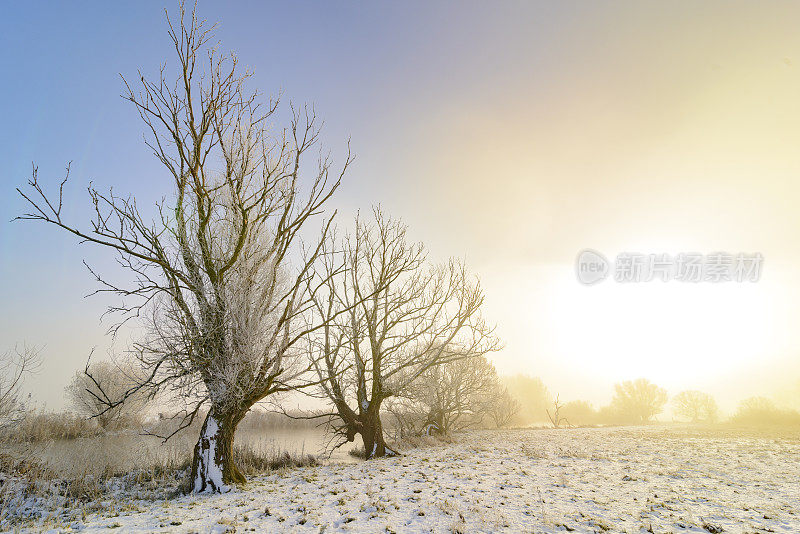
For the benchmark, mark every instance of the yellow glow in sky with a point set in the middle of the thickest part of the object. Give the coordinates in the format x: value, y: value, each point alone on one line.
x: 656, y: 128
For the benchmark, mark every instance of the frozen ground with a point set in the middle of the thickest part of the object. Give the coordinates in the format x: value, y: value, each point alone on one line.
x: 655, y: 479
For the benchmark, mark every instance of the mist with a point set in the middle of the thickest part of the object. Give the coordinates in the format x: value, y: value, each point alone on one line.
x: 449, y: 266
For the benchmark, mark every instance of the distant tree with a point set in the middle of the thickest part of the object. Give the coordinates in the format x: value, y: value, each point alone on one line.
x: 457, y: 394
x: 579, y: 413
x: 695, y: 406
x: 789, y: 395
x: 638, y: 400
x: 503, y: 407
x: 532, y: 395
x: 760, y: 411
x: 755, y: 411
x: 90, y: 397
x: 757, y: 404
x: 15, y: 365
x: 611, y: 415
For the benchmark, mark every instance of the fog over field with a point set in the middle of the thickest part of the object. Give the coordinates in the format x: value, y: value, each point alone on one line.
x: 428, y: 266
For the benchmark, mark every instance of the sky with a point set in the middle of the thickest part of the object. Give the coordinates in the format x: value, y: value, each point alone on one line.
x: 512, y: 134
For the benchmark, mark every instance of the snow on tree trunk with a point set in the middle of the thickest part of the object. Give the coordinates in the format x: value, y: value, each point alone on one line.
x: 213, y: 466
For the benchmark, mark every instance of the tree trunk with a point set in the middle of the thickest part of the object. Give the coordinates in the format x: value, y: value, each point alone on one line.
x: 213, y: 466
x: 372, y: 434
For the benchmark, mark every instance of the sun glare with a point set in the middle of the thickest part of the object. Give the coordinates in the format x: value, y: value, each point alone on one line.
x: 656, y: 329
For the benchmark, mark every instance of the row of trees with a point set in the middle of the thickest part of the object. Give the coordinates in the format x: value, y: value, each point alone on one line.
x: 235, y: 306
x: 763, y: 411
x: 451, y: 396
x: 634, y: 401
x: 465, y: 393
x: 639, y: 401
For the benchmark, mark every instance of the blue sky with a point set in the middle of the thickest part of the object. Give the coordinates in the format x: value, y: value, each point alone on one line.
x: 372, y: 71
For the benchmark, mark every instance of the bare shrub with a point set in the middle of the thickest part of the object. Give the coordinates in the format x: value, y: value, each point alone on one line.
x: 503, y: 407
x: 404, y: 416
x: 453, y: 396
x: 456, y: 395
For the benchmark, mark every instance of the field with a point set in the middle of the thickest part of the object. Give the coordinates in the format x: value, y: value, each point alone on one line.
x: 640, y: 479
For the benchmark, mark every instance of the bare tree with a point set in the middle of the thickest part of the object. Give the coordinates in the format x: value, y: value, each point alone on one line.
x: 453, y: 396
x: 87, y: 392
x: 503, y: 407
x: 15, y: 365
x: 556, y: 418
x: 457, y: 394
x: 406, y: 415
x: 638, y: 400
x: 695, y: 406
x: 404, y: 318
x: 220, y: 275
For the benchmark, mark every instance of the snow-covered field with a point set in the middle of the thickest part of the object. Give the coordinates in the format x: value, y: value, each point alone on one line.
x: 653, y: 479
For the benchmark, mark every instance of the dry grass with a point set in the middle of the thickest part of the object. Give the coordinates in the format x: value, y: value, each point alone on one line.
x: 39, y: 426
x: 65, y: 488
x: 253, y: 461
x: 56, y: 467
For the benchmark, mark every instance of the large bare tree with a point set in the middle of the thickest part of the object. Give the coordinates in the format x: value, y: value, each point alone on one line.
x: 389, y: 317
x: 221, y: 275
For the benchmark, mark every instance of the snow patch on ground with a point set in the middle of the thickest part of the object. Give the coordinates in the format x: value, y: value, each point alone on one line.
x: 648, y: 479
